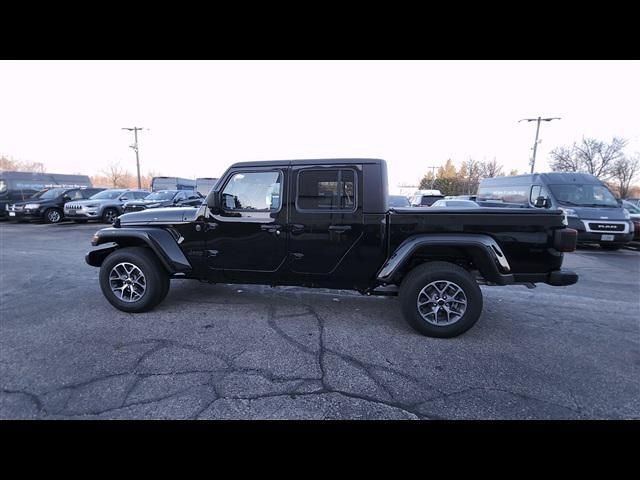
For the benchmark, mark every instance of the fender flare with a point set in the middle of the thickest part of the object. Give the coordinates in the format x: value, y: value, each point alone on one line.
x: 160, y: 241
x: 484, y: 250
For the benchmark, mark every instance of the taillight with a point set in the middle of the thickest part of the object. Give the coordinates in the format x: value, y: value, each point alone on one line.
x: 565, y: 239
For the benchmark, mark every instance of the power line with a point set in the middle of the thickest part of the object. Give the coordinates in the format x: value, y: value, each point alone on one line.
x: 535, y: 144
x: 135, y: 147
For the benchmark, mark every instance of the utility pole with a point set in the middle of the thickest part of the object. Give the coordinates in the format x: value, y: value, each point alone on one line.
x: 433, y: 171
x: 135, y: 147
x: 535, y: 144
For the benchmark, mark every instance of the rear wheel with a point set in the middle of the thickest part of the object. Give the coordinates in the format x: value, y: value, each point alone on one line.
x: 440, y: 299
x: 53, y: 215
x: 132, y: 279
x: 109, y: 216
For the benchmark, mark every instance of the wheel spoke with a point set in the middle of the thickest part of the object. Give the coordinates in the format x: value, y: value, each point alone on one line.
x: 127, y: 282
x: 441, y: 302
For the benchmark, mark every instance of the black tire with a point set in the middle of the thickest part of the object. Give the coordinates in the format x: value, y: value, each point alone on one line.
x: 109, y: 215
x: 429, y: 272
x: 610, y: 247
x: 53, y: 215
x: 156, y: 278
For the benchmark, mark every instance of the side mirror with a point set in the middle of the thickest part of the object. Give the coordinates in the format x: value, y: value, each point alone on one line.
x: 176, y: 200
x: 542, y: 202
x: 619, y: 202
x: 213, y: 202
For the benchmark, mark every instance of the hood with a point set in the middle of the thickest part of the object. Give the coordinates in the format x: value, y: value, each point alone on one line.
x: 36, y: 200
x: 598, y: 213
x: 148, y: 202
x: 161, y: 216
x: 101, y: 201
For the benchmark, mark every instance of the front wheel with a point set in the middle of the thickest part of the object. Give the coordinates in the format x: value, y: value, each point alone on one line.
x: 440, y: 299
x: 132, y: 279
x: 109, y: 216
x: 52, y: 215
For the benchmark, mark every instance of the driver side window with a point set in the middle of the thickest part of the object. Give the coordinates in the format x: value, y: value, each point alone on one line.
x: 538, y: 191
x: 254, y: 191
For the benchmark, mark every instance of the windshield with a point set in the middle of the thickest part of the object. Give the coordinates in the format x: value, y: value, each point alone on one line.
x: 49, y: 194
x: 107, y: 195
x: 583, y: 195
x: 161, y: 195
x: 398, y: 201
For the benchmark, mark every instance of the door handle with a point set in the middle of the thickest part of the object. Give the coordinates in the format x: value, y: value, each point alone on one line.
x: 339, y: 228
x: 295, y: 228
x: 271, y: 228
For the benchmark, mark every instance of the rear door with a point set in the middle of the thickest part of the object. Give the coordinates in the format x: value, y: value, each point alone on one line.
x: 325, y: 218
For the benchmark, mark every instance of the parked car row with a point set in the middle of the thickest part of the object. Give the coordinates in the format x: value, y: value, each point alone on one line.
x: 87, y: 203
x: 589, y: 206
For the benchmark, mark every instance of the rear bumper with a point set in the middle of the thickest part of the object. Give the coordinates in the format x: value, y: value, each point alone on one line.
x: 556, y: 278
x: 560, y: 278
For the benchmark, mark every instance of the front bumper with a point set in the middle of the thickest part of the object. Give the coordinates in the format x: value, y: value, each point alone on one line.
x: 585, y: 236
x: 25, y: 215
x: 85, y: 214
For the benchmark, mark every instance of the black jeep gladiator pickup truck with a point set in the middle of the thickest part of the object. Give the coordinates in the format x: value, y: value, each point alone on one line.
x: 326, y: 223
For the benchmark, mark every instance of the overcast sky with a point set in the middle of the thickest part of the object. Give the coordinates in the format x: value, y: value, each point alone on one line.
x: 205, y: 115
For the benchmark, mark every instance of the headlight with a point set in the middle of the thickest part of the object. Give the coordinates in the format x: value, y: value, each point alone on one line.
x: 626, y: 214
x: 569, y: 212
x: 154, y: 205
x: 91, y: 206
x: 32, y: 206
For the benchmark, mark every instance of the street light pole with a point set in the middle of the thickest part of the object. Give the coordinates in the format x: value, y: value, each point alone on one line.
x: 535, y: 144
x: 135, y: 147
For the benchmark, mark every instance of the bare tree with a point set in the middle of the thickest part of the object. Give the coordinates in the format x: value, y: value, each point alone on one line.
x: 115, y: 174
x: 563, y: 159
x: 624, y: 171
x: 490, y: 169
x: 598, y: 157
x: 469, y: 176
x: 590, y: 155
x: 9, y: 164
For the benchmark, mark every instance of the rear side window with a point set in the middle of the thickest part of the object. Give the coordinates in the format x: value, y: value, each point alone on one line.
x: 326, y: 189
x: 506, y: 194
x: 75, y: 195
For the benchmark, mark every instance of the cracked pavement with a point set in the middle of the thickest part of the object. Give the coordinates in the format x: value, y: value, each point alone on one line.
x: 254, y: 352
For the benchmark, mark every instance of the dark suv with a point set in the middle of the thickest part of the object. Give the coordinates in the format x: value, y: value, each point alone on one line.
x: 166, y: 198
x: 48, y: 204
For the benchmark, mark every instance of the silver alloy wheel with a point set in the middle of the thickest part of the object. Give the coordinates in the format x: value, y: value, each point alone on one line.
x: 110, y: 215
x: 127, y: 282
x: 442, y: 303
x: 53, y: 216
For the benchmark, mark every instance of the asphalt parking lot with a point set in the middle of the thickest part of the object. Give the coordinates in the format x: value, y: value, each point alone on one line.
x: 252, y: 352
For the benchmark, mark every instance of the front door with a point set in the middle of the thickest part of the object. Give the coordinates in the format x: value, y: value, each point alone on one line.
x: 325, y: 220
x: 247, y: 240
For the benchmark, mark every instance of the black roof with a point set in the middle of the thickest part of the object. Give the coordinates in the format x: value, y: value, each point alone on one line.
x: 316, y: 161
